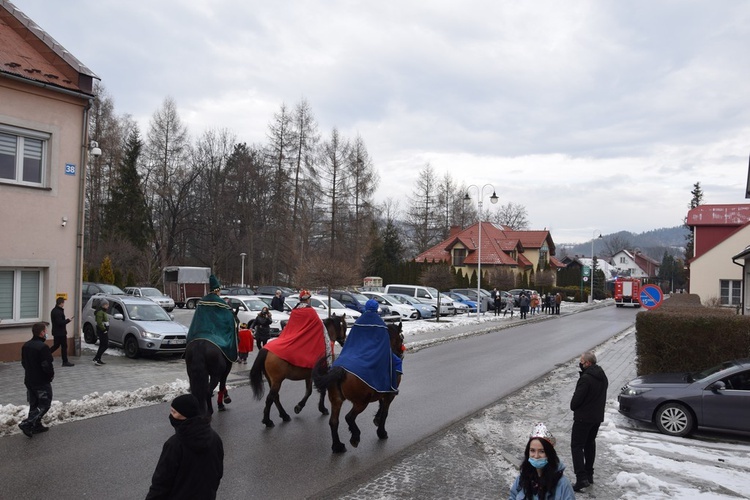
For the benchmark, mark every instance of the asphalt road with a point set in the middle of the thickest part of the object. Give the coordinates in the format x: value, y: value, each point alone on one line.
x: 114, y: 456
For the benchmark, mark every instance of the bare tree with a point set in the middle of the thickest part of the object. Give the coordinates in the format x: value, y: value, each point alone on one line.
x: 169, y: 182
x: 321, y: 271
x: 615, y: 243
x: 334, y: 184
x: 421, y: 216
x: 512, y: 215
x: 363, y: 181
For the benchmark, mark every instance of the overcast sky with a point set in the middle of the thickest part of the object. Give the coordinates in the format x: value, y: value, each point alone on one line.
x: 597, y: 116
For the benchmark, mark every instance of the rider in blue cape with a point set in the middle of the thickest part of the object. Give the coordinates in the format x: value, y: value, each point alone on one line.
x: 367, y: 352
x: 215, y: 322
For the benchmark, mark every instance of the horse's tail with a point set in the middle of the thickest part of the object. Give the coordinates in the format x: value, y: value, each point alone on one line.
x: 323, y: 377
x: 195, y: 362
x: 256, y: 374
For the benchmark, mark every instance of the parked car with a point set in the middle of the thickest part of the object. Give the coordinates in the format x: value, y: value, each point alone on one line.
x: 248, y: 307
x: 90, y: 289
x: 484, y: 296
x: 271, y: 290
x: 320, y: 304
x: 717, y: 398
x: 516, y: 293
x: 459, y: 298
x: 424, y: 311
x: 399, y: 310
x: 353, y: 300
x: 136, y: 324
x: 238, y: 290
x: 152, y: 294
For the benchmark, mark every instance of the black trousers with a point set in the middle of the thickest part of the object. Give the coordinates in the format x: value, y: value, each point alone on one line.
x: 583, y: 447
x: 40, y: 400
x: 103, y: 345
x: 61, y: 342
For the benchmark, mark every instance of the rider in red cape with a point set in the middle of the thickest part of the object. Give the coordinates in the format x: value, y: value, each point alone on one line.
x: 304, y: 338
x: 214, y: 321
x: 367, y: 352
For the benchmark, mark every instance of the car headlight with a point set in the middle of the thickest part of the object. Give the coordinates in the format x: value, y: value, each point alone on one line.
x: 150, y: 335
x: 634, y: 391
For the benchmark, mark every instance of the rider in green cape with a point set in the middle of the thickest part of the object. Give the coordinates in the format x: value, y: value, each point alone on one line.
x: 215, y: 322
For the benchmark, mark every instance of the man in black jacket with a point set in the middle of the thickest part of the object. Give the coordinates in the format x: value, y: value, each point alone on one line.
x: 59, y: 330
x: 36, y: 360
x: 587, y: 405
x: 277, y: 302
x: 191, y: 464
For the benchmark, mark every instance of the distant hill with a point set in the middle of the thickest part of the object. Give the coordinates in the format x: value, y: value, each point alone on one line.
x: 652, y: 243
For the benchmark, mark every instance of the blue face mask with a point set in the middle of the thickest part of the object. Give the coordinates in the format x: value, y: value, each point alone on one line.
x: 538, y: 463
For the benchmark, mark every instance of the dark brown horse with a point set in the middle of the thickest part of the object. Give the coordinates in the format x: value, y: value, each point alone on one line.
x: 277, y: 370
x: 207, y: 367
x: 341, y: 386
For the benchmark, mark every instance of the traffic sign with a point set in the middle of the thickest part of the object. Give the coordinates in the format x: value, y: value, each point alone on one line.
x: 651, y: 296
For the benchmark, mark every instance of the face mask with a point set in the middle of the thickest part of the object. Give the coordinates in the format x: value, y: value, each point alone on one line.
x: 46, y: 336
x: 175, y: 422
x: 538, y: 463
x: 580, y: 365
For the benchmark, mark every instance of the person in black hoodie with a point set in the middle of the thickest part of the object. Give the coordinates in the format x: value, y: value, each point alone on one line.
x: 59, y: 330
x: 191, y: 464
x: 587, y: 405
x: 36, y: 360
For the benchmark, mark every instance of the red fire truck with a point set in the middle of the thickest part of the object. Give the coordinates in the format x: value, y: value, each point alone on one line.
x: 627, y: 291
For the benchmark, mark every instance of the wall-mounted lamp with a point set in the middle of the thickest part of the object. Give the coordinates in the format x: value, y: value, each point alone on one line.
x: 64, y: 221
x: 94, y: 149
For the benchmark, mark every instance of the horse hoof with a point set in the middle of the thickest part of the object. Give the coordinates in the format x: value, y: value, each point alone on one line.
x: 227, y: 399
x: 286, y: 418
x: 354, y: 442
x: 324, y: 411
x: 268, y: 423
x: 297, y: 409
x: 338, y: 448
x: 222, y: 408
x: 382, y: 435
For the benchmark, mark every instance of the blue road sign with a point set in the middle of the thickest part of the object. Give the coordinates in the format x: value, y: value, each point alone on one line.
x: 651, y: 296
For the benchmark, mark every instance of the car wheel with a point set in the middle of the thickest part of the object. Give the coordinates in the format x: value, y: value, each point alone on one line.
x: 674, y: 419
x: 131, y: 347
x: 190, y: 304
x: 88, y: 334
x: 169, y: 310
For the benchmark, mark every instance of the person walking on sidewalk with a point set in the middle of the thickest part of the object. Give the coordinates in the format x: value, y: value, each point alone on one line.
x: 587, y: 405
x: 542, y: 473
x: 191, y: 464
x: 102, y: 330
x: 60, y: 330
x: 558, y: 301
x: 36, y: 360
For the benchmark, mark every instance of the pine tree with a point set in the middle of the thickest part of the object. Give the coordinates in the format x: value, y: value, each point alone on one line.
x: 695, y: 201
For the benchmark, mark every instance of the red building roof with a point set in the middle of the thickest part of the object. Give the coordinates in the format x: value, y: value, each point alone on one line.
x: 497, y: 245
x: 28, y: 52
x: 719, y: 215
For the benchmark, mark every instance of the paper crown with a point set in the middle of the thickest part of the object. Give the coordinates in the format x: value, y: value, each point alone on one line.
x: 540, y: 431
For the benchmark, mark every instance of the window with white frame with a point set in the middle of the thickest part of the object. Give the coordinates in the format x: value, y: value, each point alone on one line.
x: 731, y: 292
x: 20, y: 295
x: 23, y: 156
x: 459, y: 255
x: 623, y: 260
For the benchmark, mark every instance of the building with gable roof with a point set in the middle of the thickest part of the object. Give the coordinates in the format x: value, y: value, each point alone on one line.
x: 635, y: 264
x: 45, y: 97
x: 718, y: 231
x: 517, y: 251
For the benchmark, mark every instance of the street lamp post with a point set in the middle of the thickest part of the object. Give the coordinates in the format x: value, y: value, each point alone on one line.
x: 593, y: 237
x: 243, y: 255
x: 467, y: 199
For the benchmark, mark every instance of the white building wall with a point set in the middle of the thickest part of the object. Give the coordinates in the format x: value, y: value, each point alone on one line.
x: 707, y: 270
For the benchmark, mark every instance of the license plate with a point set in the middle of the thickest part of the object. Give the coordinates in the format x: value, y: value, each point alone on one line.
x: 174, y: 341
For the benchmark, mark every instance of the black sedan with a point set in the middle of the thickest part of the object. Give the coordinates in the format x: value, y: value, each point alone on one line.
x: 717, y: 398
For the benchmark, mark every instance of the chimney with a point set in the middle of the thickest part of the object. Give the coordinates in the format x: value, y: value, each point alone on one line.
x: 454, y: 231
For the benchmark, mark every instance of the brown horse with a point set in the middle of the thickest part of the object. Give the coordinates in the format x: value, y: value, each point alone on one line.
x: 342, y: 385
x: 277, y: 370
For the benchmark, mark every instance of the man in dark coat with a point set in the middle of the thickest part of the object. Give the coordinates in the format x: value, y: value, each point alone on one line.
x: 191, y: 464
x: 36, y: 360
x: 60, y: 330
x: 277, y: 302
x: 587, y: 405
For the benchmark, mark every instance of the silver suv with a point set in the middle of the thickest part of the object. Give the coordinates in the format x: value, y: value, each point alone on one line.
x: 152, y: 294
x: 136, y: 324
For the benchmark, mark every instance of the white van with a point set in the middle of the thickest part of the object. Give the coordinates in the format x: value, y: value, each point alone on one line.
x: 425, y: 294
